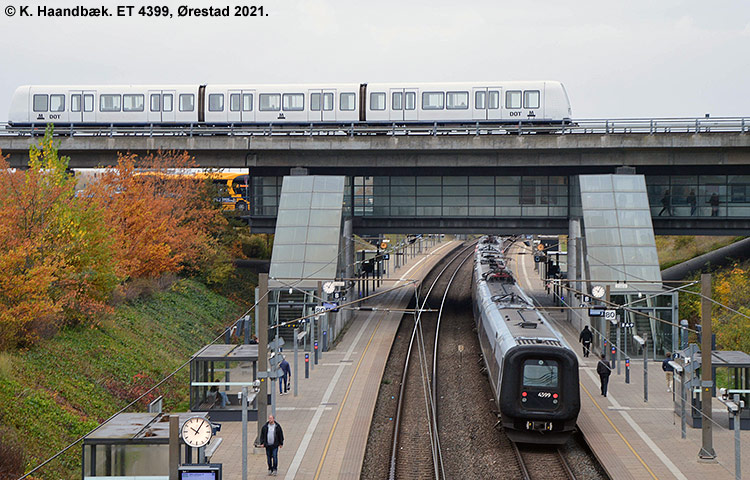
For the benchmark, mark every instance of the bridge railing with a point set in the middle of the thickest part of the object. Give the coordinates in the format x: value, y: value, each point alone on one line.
x: 650, y: 126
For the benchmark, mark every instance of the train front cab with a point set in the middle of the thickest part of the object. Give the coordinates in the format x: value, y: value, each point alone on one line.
x: 539, y: 397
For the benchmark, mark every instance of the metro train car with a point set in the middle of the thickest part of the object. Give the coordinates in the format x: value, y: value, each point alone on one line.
x: 532, y: 371
x: 535, y: 102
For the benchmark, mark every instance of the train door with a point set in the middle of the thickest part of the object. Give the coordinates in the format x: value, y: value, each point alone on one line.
x: 241, y: 108
x: 396, y: 113
x: 479, y: 103
x: 486, y: 103
x: 82, y: 106
x: 494, y: 103
x: 161, y: 106
x: 410, y: 104
x: 322, y: 105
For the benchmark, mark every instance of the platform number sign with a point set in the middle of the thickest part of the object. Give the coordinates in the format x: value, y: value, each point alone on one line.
x: 610, y: 315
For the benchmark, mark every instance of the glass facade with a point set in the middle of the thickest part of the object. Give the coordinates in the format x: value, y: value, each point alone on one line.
x: 699, y: 195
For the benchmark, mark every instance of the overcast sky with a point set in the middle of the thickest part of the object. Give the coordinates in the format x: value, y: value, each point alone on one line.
x: 640, y: 58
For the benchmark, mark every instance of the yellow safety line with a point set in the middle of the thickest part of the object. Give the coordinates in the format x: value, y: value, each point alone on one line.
x: 346, y: 395
x: 619, y: 433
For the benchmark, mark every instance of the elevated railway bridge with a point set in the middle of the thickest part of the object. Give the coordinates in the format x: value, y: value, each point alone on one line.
x: 457, y: 178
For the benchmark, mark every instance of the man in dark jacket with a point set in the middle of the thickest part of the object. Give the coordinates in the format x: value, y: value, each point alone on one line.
x: 604, y: 370
x: 284, y: 380
x: 586, y: 337
x: 272, y: 437
x: 668, y: 371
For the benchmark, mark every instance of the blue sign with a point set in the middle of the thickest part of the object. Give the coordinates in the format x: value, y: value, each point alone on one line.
x: 331, y: 306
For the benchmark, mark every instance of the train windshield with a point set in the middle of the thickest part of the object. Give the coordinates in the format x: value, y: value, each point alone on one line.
x: 540, y: 373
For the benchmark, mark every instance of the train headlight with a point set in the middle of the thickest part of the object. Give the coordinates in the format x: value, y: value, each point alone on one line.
x: 523, y: 394
x: 554, y: 395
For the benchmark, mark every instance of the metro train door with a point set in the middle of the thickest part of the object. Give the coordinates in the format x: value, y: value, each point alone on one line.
x: 396, y: 112
x: 410, y: 104
x: 241, y: 107
x: 168, y: 105
x: 82, y: 106
x: 321, y: 105
x: 161, y: 106
x: 486, y: 103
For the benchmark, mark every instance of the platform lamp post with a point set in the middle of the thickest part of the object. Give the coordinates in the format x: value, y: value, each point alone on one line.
x: 643, y: 342
x: 707, y: 452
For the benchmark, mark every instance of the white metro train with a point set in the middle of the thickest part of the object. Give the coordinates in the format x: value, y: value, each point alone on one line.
x: 532, y: 371
x: 538, y: 102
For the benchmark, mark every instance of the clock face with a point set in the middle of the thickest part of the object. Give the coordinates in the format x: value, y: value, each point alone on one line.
x: 196, y: 432
x: 598, y: 291
x: 329, y: 287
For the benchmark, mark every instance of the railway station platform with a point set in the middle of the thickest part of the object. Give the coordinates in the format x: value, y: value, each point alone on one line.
x: 327, y: 425
x: 633, y: 439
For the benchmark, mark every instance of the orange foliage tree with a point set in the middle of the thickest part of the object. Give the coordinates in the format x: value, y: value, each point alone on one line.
x: 55, y: 250
x: 164, y: 220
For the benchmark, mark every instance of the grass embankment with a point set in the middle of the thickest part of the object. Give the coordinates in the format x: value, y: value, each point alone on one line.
x: 54, y: 393
x: 674, y: 249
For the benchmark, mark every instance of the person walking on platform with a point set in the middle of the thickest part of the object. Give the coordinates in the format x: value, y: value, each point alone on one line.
x: 668, y: 371
x: 604, y: 369
x: 586, y: 337
x: 284, y: 380
x: 666, y: 203
x: 272, y: 437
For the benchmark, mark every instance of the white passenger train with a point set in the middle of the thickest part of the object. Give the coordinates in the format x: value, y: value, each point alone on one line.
x: 538, y: 102
x: 532, y: 371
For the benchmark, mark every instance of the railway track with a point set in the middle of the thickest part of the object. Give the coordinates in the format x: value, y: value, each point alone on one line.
x: 542, y: 462
x: 416, y: 411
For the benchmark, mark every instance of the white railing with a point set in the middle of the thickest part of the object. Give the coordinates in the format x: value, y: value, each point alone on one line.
x: 648, y: 126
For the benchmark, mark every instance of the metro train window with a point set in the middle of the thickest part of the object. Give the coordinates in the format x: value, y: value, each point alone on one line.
x: 155, y: 102
x: 513, y: 99
x: 247, y: 102
x: 132, y: 103
x: 187, y: 102
x: 57, y: 103
x: 433, y: 100
x: 269, y: 102
x: 480, y: 99
x: 216, y: 102
x: 109, y: 103
x: 328, y: 101
x: 347, y: 101
x: 75, y: 102
x: 411, y: 101
x: 457, y: 100
x: 293, y: 102
x: 88, y: 103
x: 315, y: 102
x: 397, y: 101
x: 41, y: 103
x: 494, y: 102
x: 166, y: 102
x: 377, y: 101
x: 234, y: 102
x: 531, y: 99
x: 540, y: 373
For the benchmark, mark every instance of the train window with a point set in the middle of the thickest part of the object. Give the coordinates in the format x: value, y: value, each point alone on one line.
x: 433, y: 100
x: 41, y: 103
x: 57, y: 103
x: 494, y: 100
x: 187, y: 102
x: 397, y: 101
x: 75, y: 102
x: 132, y: 103
x: 347, y: 101
x: 377, y: 101
x: 234, y: 102
x: 411, y: 101
x: 88, y: 103
x: 247, y: 102
x: 269, y: 102
x: 540, y: 373
x: 531, y: 99
x: 327, y: 102
x: 315, y: 102
x: 457, y: 100
x: 293, y: 101
x: 216, y: 102
x: 155, y: 102
x: 166, y: 102
x: 109, y: 103
x: 513, y: 99
x: 480, y: 100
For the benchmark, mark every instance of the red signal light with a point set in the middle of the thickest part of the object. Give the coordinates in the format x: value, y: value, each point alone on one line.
x: 554, y: 395
x: 523, y: 394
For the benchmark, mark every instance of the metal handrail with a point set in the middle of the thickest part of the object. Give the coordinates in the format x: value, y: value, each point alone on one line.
x: 585, y: 126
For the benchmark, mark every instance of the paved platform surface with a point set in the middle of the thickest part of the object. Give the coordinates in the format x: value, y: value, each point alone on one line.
x: 634, y: 439
x: 326, y: 426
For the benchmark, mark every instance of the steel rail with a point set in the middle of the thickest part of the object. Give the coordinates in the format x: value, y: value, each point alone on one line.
x: 558, y: 454
x: 586, y: 126
x: 402, y: 388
